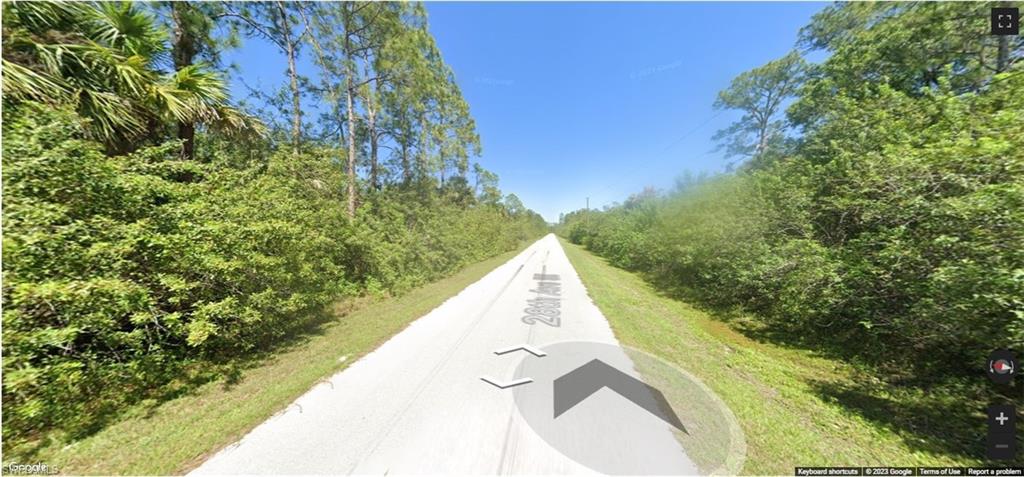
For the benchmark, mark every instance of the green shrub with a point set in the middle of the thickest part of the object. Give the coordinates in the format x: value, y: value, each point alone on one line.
x: 126, y: 275
x: 905, y: 245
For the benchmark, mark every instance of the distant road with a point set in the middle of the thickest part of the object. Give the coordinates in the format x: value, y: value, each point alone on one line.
x: 418, y: 405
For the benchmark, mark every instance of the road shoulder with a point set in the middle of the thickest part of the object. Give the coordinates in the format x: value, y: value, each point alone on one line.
x: 178, y: 435
x: 772, y: 390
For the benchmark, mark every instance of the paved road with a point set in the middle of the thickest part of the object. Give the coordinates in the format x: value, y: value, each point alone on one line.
x: 418, y: 405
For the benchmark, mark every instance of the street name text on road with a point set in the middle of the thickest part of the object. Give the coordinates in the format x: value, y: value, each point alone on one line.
x: 545, y: 307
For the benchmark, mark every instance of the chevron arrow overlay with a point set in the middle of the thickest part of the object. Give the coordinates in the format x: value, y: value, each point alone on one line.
x: 505, y: 385
x: 573, y: 387
x: 525, y: 347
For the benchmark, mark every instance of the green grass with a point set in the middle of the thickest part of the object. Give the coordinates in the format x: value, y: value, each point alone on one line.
x: 178, y: 435
x: 781, y: 396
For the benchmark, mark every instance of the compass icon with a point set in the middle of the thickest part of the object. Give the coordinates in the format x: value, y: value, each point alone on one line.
x: 1002, y: 366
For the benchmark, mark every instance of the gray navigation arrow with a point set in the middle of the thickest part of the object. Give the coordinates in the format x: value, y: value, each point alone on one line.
x: 573, y: 387
x: 525, y: 347
x: 505, y: 385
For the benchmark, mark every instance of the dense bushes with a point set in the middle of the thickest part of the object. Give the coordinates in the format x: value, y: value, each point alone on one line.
x: 890, y: 228
x: 157, y: 234
x: 895, y: 233
x: 123, y: 274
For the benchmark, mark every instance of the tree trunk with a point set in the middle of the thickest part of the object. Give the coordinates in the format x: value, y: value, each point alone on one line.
x: 187, y: 133
x: 371, y: 124
x: 1003, y: 53
x: 421, y: 154
x: 293, y: 77
x: 296, y: 107
x: 762, y: 126
x: 1003, y: 57
x: 762, y: 139
x: 183, y: 52
x: 351, y: 152
x: 350, y: 103
x: 406, y: 171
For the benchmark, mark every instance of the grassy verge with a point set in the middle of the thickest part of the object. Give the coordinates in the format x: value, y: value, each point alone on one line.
x: 776, y: 393
x: 178, y: 435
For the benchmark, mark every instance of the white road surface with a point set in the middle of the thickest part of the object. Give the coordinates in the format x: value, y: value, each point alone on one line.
x: 418, y: 405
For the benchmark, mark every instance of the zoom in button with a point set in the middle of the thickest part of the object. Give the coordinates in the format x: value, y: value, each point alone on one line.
x: 1002, y: 432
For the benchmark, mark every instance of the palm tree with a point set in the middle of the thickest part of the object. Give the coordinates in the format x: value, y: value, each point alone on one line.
x: 106, y: 60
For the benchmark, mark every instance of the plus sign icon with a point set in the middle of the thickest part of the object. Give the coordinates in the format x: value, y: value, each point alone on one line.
x: 1002, y: 427
x: 1002, y: 418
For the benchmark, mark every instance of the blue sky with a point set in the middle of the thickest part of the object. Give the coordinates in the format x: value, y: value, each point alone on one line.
x: 599, y: 100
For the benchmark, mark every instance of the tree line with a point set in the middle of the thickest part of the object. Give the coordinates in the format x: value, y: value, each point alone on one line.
x: 157, y: 232
x: 876, y: 210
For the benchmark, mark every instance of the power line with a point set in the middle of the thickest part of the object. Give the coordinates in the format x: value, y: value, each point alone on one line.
x: 695, y: 129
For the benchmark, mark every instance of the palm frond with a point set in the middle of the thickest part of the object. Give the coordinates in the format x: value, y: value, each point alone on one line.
x: 110, y: 116
x: 172, y: 102
x: 102, y: 58
x: 205, y: 85
x: 23, y: 83
x: 41, y: 17
x: 131, y: 75
x: 124, y: 27
x: 234, y: 122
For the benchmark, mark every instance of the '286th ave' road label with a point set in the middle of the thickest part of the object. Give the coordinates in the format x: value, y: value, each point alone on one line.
x: 545, y: 307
